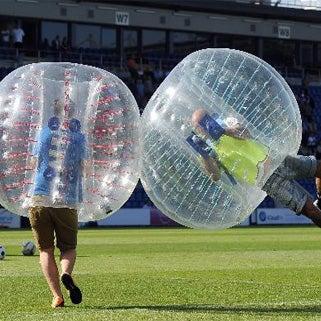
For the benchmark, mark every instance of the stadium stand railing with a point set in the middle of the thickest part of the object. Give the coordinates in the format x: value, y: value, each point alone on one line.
x: 95, y: 57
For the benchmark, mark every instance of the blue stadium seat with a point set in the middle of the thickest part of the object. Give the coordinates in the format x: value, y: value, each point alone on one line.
x: 267, y: 202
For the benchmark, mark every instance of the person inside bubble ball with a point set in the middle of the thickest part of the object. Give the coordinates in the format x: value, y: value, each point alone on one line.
x: 231, y: 150
x: 59, y: 156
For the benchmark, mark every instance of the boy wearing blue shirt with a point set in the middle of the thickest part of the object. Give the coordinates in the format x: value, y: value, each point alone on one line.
x: 59, y: 153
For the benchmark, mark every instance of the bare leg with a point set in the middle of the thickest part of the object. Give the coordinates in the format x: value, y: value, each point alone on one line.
x: 67, y: 261
x: 50, y: 271
x: 318, y: 186
x: 312, y: 212
x: 318, y: 171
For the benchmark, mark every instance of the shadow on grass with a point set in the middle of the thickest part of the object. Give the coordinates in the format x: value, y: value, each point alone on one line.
x: 13, y: 255
x: 213, y: 308
x: 10, y: 257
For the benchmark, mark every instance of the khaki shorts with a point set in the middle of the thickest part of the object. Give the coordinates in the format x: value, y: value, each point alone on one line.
x: 46, y: 222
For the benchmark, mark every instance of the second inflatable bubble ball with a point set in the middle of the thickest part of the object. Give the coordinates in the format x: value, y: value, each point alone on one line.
x: 213, y: 133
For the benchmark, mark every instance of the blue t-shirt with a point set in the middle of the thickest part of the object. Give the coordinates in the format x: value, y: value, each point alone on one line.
x: 70, y: 176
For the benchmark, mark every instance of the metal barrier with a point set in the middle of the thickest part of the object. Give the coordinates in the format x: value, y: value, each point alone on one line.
x: 17, y: 57
x: 23, y: 56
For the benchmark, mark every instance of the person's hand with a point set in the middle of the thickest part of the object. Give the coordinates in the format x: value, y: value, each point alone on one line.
x: 33, y: 162
x: 87, y: 168
x: 196, y: 119
x: 211, y: 169
x: 236, y: 129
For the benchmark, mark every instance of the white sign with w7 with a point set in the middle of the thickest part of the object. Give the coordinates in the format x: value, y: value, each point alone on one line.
x: 122, y: 18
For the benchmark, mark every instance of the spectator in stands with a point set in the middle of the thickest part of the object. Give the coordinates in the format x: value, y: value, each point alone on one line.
x: 149, y: 71
x: 312, y: 126
x: 132, y: 87
x: 304, y: 103
x: 64, y: 44
x: 312, y: 143
x: 5, y: 38
x: 45, y: 45
x: 55, y: 44
x: 133, y: 67
x: 310, y: 137
x: 17, y: 36
x: 64, y: 48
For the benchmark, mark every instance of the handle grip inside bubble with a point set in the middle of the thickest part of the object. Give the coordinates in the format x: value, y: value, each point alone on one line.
x: 212, y: 127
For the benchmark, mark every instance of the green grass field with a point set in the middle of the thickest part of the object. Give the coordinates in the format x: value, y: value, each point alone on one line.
x: 174, y: 274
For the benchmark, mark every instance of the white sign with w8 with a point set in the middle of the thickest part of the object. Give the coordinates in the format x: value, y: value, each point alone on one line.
x: 284, y: 32
x: 122, y: 18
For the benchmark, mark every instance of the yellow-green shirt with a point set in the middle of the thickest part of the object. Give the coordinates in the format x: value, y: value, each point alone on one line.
x: 241, y: 157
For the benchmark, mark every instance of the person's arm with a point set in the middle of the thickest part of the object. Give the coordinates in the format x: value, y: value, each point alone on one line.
x: 216, y: 130
x: 211, y: 168
x: 33, y: 161
x: 209, y: 164
x: 86, y: 162
x: 35, y: 151
x: 86, y: 167
x: 205, y: 125
x: 238, y: 131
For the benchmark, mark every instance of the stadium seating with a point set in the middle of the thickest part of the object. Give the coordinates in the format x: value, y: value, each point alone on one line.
x: 315, y: 93
x: 4, y: 71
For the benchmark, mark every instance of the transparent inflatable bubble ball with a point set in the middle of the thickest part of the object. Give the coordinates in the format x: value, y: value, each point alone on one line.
x: 213, y: 133
x: 69, y: 137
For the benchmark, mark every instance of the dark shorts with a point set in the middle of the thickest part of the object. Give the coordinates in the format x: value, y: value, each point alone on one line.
x: 48, y: 222
x: 282, y: 186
